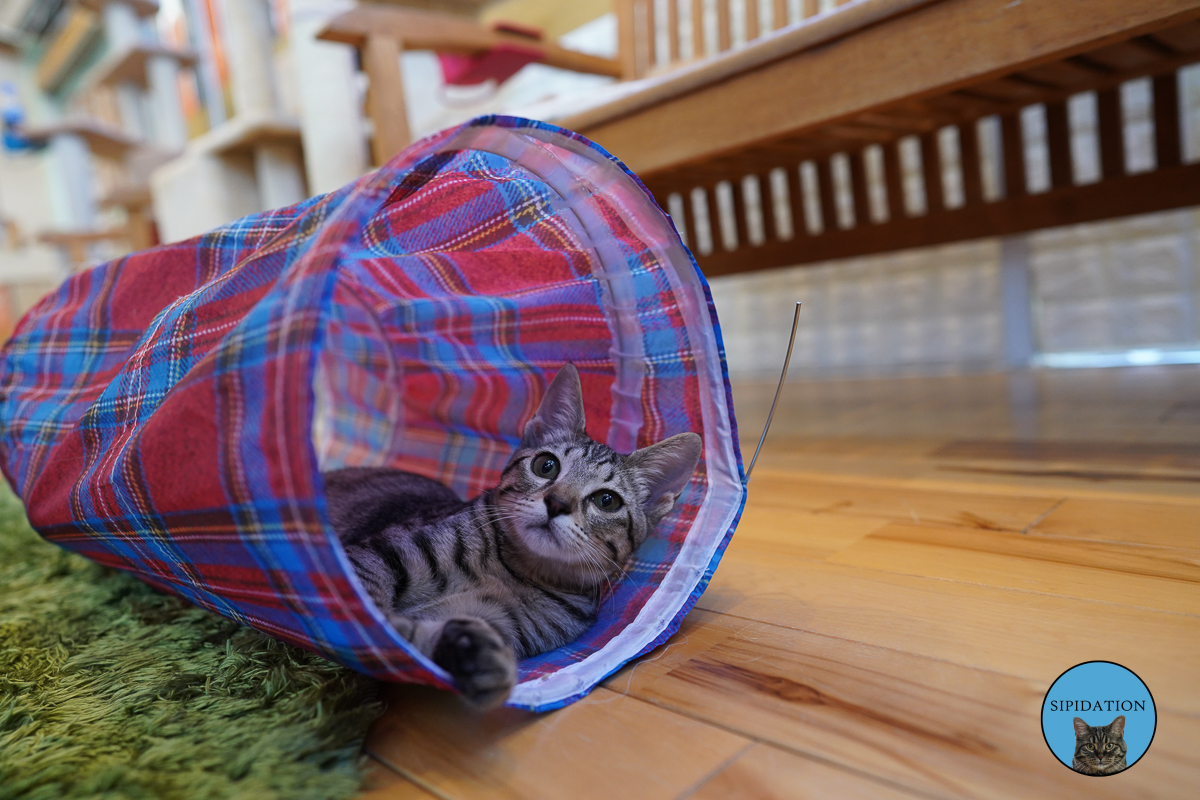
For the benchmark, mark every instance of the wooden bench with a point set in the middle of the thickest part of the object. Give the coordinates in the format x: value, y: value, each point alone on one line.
x: 725, y: 131
x: 837, y: 86
x: 381, y: 33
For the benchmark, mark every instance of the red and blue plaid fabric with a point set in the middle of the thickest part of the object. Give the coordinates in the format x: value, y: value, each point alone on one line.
x: 170, y: 413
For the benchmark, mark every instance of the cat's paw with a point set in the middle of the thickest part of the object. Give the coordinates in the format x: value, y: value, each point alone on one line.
x: 483, y: 666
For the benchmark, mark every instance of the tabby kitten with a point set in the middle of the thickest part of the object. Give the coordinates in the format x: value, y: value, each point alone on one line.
x: 518, y: 570
x: 1099, y: 750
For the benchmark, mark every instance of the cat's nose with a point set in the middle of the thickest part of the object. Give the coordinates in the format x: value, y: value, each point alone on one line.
x: 555, y: 506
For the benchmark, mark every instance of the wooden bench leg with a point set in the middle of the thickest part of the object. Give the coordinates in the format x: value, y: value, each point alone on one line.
x: 972, y: 170
x: 893, y: 182
x: 741, y: 219
x: 1111, y: 130
x: 796, y: 201
x: 858, y: 188
x: 1013, y: 143
x: 931, y: 166
x: 1058, y: 142
x: 385, y: 98
x: 828, y: 195
x: 779, y: 16
x: 1168, y: 148
x: 766, y: 201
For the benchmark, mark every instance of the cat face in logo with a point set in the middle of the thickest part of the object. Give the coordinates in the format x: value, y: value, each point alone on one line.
x: 1100, y: 749
x: 577, y: 505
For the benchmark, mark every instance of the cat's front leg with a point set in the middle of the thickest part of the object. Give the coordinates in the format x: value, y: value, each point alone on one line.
x: 482, y: 664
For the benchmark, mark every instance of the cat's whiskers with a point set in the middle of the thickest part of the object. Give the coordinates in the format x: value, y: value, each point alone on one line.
x: 606, y: 575
x: 618, y: 567
x: 493, y: 512
x: 486, y: 520
x: 590, y: 560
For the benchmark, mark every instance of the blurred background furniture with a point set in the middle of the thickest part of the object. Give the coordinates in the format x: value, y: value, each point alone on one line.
x: 791, y: 133
x: 117, y: 85
x: 855, y: 86
x: 250, y: 159
x: 94, y: 149
x: 381, y: 33
x: 952, y: 196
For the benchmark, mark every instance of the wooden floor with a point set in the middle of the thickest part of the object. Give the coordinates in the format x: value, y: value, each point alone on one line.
x: 919, y: 559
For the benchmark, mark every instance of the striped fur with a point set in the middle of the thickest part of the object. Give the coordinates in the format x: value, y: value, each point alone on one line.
x: 1099, y: 749
x: 518, y: 570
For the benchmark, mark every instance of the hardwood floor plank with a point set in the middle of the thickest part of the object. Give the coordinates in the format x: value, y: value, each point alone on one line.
x: 1139, y: 404
x: 1163, y: 455
x: 1073, y: 472
x: 384, y: 784
x: 376, y: 775
x: 918, y: 473
x: 1157, y: 578
x: 930, y: 726
x: 1172, y: 755
x: 766, y: 529
x: 1019, y: 633
x: 963, y: 509
x: 897, y: 599
x: 768, y: 773
x: 606, y: 745
x: 1157, y: 524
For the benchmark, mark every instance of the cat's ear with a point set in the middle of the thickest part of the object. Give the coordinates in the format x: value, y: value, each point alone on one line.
x: 560, y: 415
x: 664, y: 469
x: 1082, y: 729
x: 1117, y: 727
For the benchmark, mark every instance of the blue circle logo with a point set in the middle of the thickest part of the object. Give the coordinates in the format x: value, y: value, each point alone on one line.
x: 1098, y: 718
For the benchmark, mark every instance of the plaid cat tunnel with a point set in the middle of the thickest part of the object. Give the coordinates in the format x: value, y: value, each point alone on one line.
x: 170, y: 413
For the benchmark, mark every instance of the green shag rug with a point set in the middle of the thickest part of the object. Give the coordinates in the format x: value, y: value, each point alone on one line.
x: 109, y: 689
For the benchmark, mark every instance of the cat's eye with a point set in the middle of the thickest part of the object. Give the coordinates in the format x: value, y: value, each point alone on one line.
x: 607, y: 501
x: 545, y: 466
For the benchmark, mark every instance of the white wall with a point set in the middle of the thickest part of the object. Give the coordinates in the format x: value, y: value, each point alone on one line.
x: 930, y: 310
x: 1106, y: 286
x: 1102, y: 287
x: 1123, y: 285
